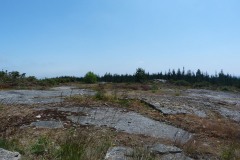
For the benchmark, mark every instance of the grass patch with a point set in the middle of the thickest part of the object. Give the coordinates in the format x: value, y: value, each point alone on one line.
x: 177, y: 93
x: 12, y: 145
x: 231, y: 152
x: 142, y: 154
x: 154, y: 88
x: 40, y: 147
x: 81, y: 146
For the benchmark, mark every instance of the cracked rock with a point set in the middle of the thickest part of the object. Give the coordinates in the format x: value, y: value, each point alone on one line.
x: 118, y: 153
x: 163, y: 149
x: 8, y: 155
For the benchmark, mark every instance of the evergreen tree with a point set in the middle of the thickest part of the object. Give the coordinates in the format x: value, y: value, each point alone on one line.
x: 140, y: 75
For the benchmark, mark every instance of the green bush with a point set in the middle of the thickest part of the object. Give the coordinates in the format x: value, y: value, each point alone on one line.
x: 182, y: 83
x: 140, y: 75
x: 201, y: 84
x: 90, y: 77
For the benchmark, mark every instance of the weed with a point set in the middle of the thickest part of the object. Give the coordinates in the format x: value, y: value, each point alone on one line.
x: 12, y: 145
x: 181, y: 83
x: 227, y: 154
x: 124, y: 102
x: 100, y: 95
x: 232, y: 152
x: 177, y: 93
x: 40, y: 147
x: 81, y: 146
x: 154, y: 88
x: 142, y: 154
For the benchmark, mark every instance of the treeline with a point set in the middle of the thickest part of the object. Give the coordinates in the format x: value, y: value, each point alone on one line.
x: 178, y: 77
x: 17, y: 79
x: 14, y: 78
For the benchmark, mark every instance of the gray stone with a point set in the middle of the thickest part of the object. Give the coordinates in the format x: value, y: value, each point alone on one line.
x: 177, y: 156
x: 8, y: 155
x: 47, y: 124
x: 118, y: 153
x: 129, y: 122
x: 232, y: 114
x: 167, y: 107
x: 55, y: 95
x: 163, y: 149
x: 225, y: 103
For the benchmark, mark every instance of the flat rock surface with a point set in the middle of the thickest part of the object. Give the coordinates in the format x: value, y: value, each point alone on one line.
x: 54, y: 95
x: 8, y: 155
x: 47, y: 124
x: 177, y: 156
x: 163, y: 149
x: 118, y: 153
x: 173, y: 105
x: 225, y: 103
x: 127, y: 121
x: 197, y: 102
x: 165, y: 153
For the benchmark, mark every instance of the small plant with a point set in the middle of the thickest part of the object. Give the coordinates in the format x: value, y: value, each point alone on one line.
x: 201, y: 84
x: 100, y: 95
x: 182, y: 83
x: 154, y: 88
x: 124, y: 102
x: 177, y: 93
x: 12, y: 145
x: 140, y: 154
x: 4, y: 143
x: 227, y: 154
x: 40, y: 147
x: 71, y: 149
x: 231, y: 152
x: 81, y: 146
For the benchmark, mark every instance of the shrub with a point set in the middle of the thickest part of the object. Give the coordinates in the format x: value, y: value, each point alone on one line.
x: 182, y: 83
x: 140, y: 75
x: 90, y: 77
x: 201, y: 84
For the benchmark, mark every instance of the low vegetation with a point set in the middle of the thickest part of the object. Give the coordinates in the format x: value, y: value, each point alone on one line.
x: 199, y: 79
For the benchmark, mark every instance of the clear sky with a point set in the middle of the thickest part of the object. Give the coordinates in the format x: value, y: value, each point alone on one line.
x: 47, y: 38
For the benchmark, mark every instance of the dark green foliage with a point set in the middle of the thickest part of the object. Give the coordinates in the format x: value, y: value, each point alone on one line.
x: 100, y: 95
x: 140, y: 75
x: 4, y: 143
x: 181, y: 83
x: 202, y: 84
x: 90, y: 77
x: 197, y: 80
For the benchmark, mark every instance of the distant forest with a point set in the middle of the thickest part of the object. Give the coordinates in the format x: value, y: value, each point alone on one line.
x: 177, y: 77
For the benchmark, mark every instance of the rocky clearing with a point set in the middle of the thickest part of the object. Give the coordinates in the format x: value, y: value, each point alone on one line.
x: 168, y: 123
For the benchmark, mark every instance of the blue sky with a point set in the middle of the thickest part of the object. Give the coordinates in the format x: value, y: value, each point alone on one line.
x: 48, y: 38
